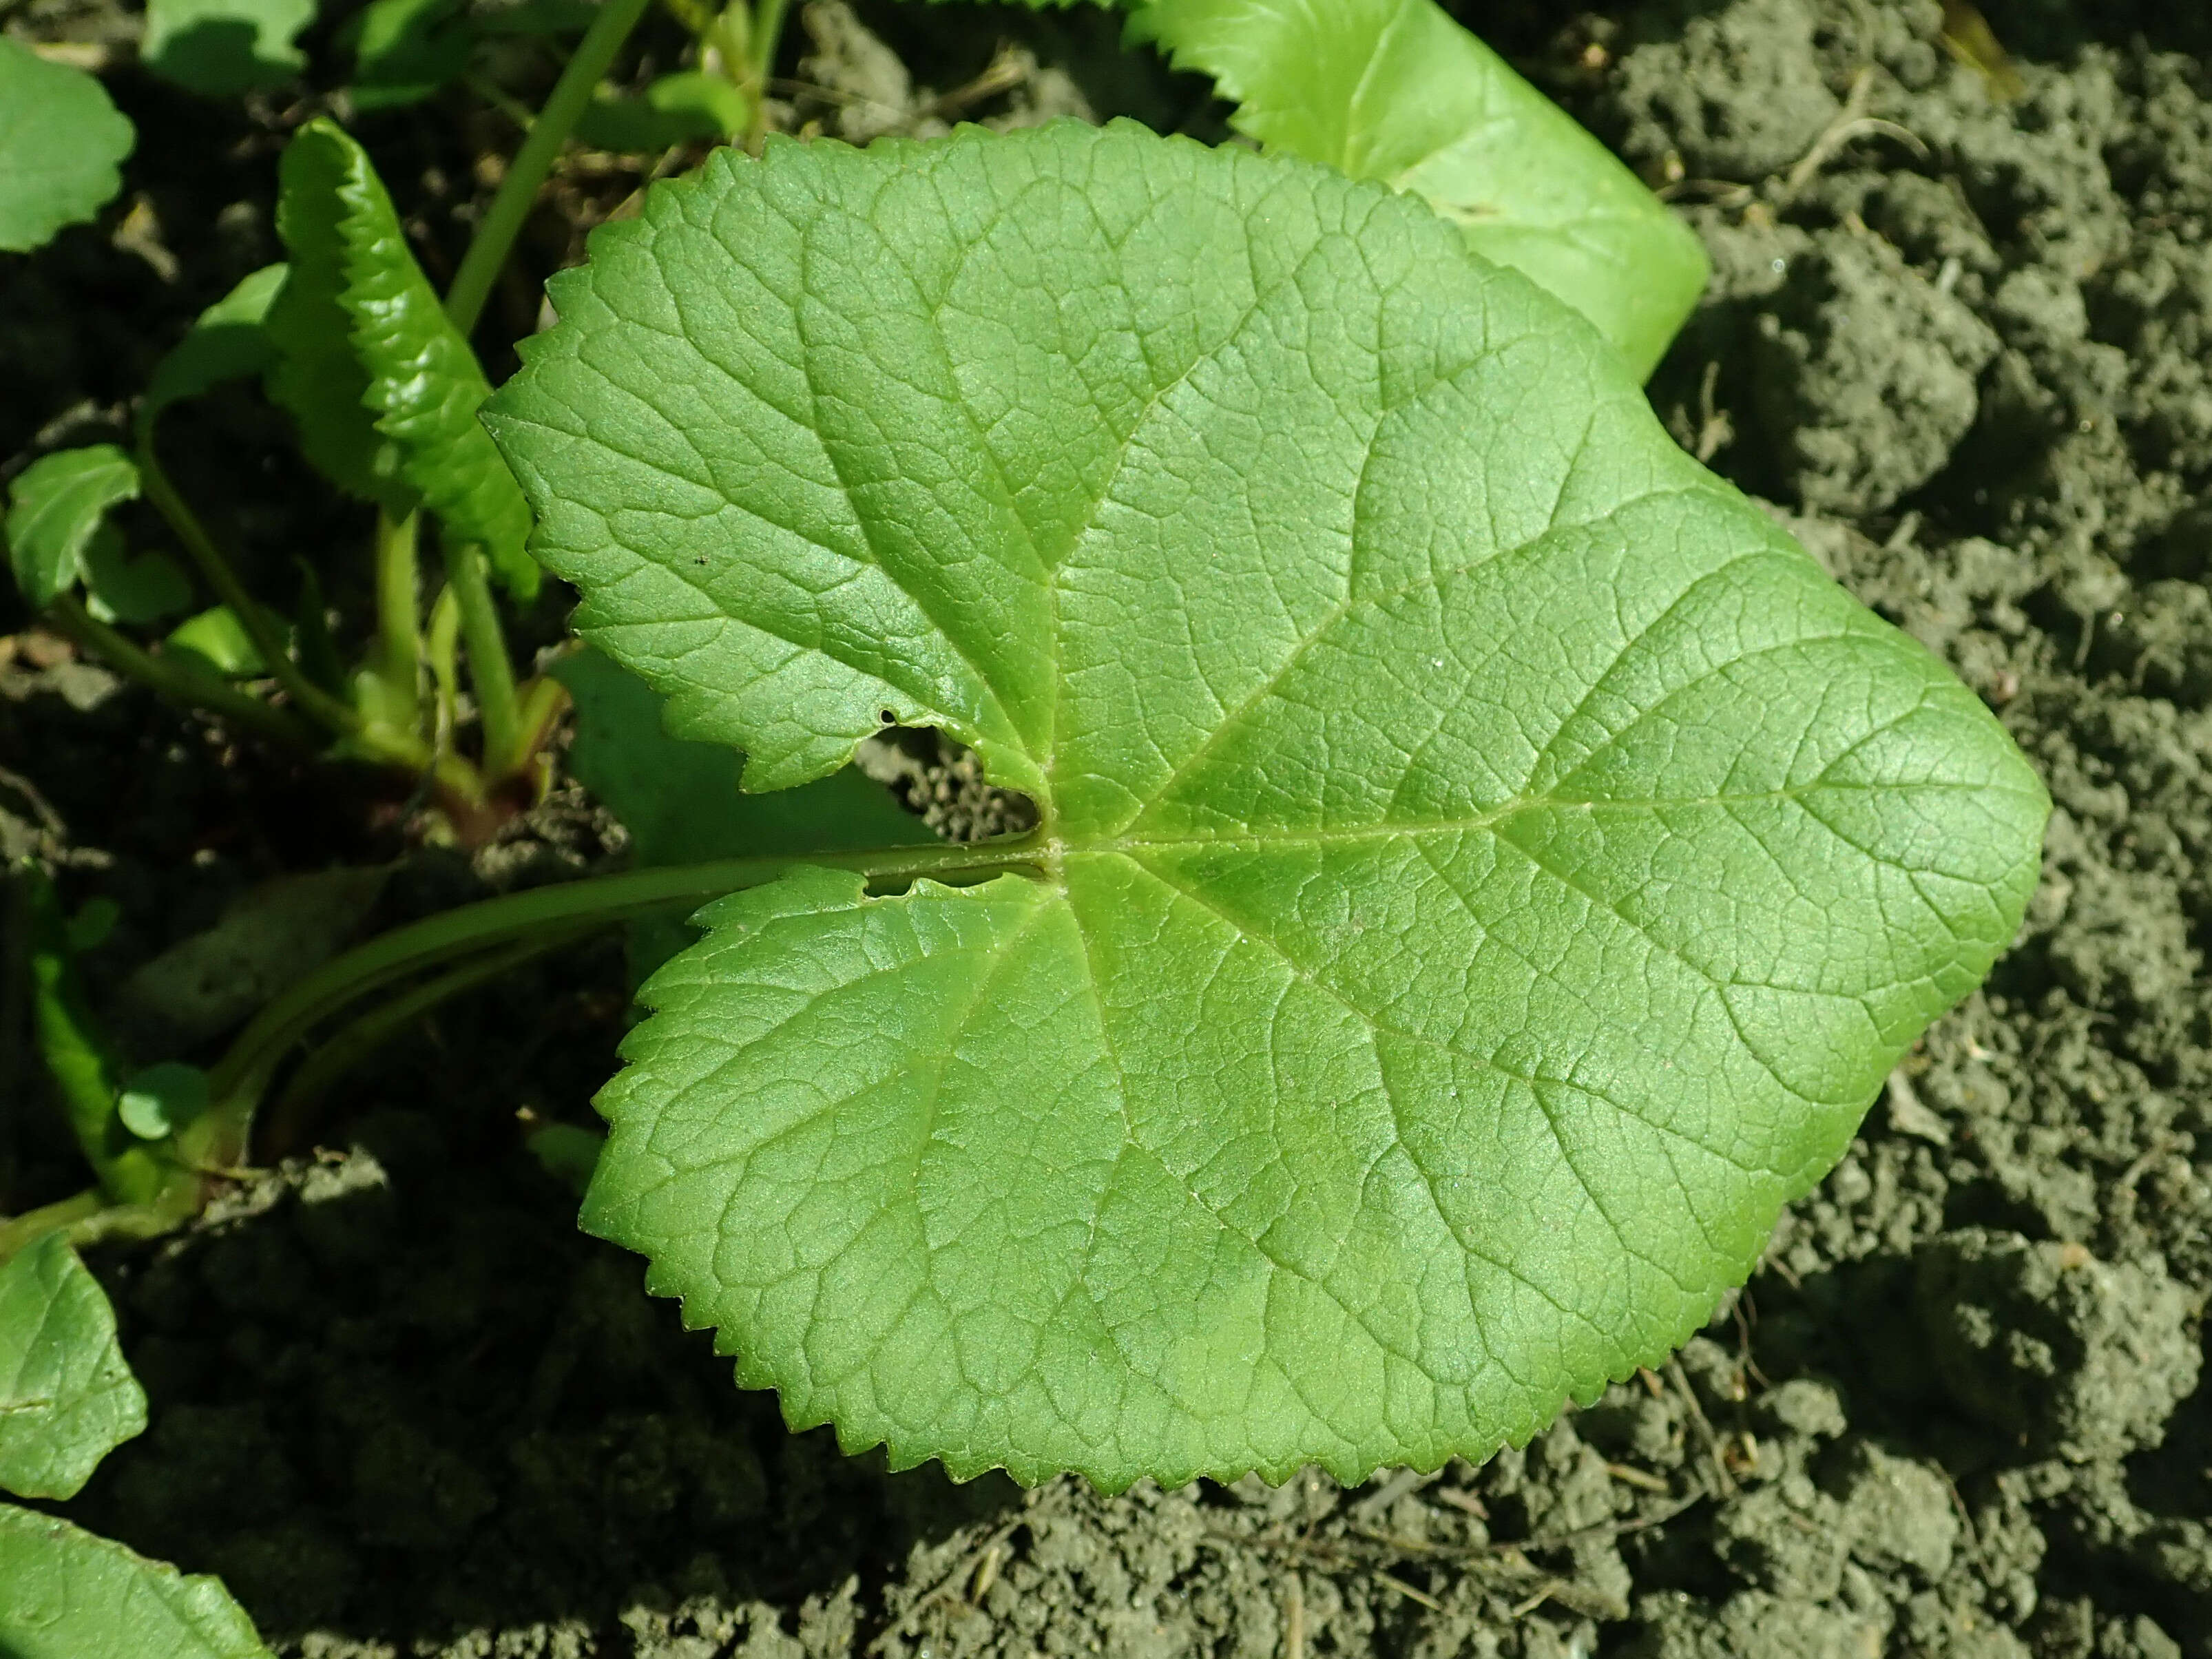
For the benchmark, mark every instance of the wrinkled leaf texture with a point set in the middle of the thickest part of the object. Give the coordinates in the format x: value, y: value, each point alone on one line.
x: 1485, y: 867
x: 1395, y: 90
x: 412, y: 365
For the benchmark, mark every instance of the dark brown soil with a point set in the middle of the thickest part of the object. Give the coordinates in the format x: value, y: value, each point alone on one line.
x: 1962, y: 341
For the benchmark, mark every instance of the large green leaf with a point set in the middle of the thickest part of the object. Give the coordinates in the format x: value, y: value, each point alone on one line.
x: 680, y: 801
x: 67, y: 1399
x: 1485, y: 868
x: 61, y: 141
x: 70, y: 1595
x: 423, y: 377
x: 1395, y: 90
x: 56, y: 508
x: 221, y: 47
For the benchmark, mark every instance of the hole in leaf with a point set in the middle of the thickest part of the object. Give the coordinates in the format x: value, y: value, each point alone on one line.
x: 943, y: 782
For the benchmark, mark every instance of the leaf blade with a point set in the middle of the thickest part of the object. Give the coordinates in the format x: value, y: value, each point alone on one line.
x: 72, y: 1593
x: 1485, y: 867
x: 62, y: 140
x: 66, y: 1397
x: 56, y: 508
x: 1395, y: 90
x: 423, y: 381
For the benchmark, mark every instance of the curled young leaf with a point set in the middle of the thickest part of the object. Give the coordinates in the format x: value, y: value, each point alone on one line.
x: 422, y: 377
x: 61, y: 141
x: 1395, y: 90
x: 67, y: 1398
x: 316, y: 376
x: 1484, y: 867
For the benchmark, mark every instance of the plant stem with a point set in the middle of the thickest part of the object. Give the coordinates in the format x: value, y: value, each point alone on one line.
x: 182, y: 686
x: 510, y: 204
x: 489, y: 671
x: 84, y: 1065
x: 767, y: 35
x: 219, y: 576
x: 398, y: 620
x: 238, y: 1081
x: 371, y: 1031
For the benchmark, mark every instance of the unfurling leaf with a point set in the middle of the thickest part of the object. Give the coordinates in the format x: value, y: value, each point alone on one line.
x: 1394, y: 90
x: 61, y: 141
x: 316, y: 376
x: 67, y: 1399
x: 421, y: 377
x: 1484, y: 867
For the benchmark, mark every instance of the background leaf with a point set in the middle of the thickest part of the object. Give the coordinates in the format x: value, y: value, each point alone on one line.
x: 422, y: 377
x: 677, y: 108
x: 228, y: 342
x: 1394, y: 90
x: 405, y: 49
x: 55, y: 508
x: 71, y: 1595
x: 121, y: 588
x: 61, y: 142
x: 220, y: 48
x: 67, y: 1398
x: 681, y: 803
x: 1484, y: 867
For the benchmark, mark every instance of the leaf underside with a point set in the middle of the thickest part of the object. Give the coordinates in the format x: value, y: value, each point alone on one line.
x: 66, y: 1397
x: 1484, y: 867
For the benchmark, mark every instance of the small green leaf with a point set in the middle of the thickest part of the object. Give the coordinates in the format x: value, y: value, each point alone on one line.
x: 316, y: 376
x: 218, y: 642
x: 162, y: 1099
x: 55, y: 508
x: 1394, y: 90
x: 405, y: 49
x: 71, y: 1593
x: 423, y: 377
x: 681, y: 801
x: 1485, y: 868
x: 567, y: 1153
x: 230, y: 342
x: 94, y: 921
x: 219, y: 48
x: 675, y: 109
x: 67, y: 1399
x: 119, y: 588
x: 61, y: 142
